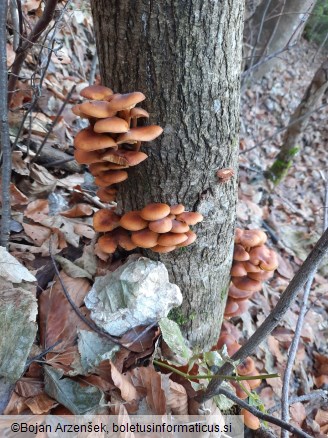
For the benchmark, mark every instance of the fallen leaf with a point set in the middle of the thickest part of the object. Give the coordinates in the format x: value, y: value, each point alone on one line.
x: 11, y: 270
x: 79, y: 210
x: 37, y: 210
x: 37, y: 233
x: 127, y: 389
x: 40, y: 404
x: 72, y: 269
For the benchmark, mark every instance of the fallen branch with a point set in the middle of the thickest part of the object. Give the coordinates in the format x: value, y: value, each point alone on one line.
x: 270, y: 323
x: 319, y: 393
x: 261, y: 415
x: 4, y: 131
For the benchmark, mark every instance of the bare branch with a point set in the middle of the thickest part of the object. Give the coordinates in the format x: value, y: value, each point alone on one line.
x: 295, y: 342
x: 4, y: 130
x: 32, y: 38
x: 261, y: 415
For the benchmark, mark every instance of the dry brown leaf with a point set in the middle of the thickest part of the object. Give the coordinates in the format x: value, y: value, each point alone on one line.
x: 123, y: 419
x: 298, y: 413
x: 37, y: 210
x: 16, y: 405
x: 176, y: 399
x: 41, y: 404
x: 121, y: 381
x: 29, y: 386
x: 151, y: 381
x: 79, y: 210
x: 58, y: 321
x: 275, y: 349
x: 321, y: 380
x: 18, y: 164
x: 321, y: 417
x: 37, y: 233
x: 40, y: 182
x: 64, y: 359
x: 84, y: 230
x: 10, y: 55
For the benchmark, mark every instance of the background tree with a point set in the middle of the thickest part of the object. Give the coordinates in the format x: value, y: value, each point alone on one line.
x: 275, y: 26
x: 185, y: 56
x: 297, y: 124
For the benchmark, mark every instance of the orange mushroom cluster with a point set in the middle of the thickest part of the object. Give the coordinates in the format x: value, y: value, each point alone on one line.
x: 253, y: 263
x: 111, y: 143
x: 159, y: 227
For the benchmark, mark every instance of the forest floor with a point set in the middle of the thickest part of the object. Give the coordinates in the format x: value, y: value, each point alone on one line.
x: 291, y: 213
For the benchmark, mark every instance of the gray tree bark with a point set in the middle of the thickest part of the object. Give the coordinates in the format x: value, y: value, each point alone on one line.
x: 275, y: 25
x: 185, y: 56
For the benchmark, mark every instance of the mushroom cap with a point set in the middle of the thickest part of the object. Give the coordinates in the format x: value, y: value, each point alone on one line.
x: 144, y: 238
x: 246, y: 367
x: 171, y: 239
x: 250, y: 420
x: 163, y: 249
x: 155, y: 211
x: 105, y: 220
x: 77, y: 111
x: 96, y: 92
x: 132, y: 221
x: 86, y: 157
x: 139, y: 112
x: 242, y: 308
x: 177, y: 209
x: 240, y: 254
x: 238, y: 269
x: 87, y: 140
x: 250, y: 267
x: 121, y: 102
x: 124, y: 240
x: 239, y: 391
x: 233, y: 348
x: 98, y: 109
x: 141, y: 133
x: 126, y: 158
x: 251, y: 238
x: 225, y: 339
x: 261, y: 276
x: 109, y: 177
x: 115, y: 125
x: 106, y: 195
x: 246, y: 283
x: 239, y: 294
x: 254, y: 383
x: 191, y: 239
x: 161, y: 225
x: 264, y: 257
x: 190, y: 217
x: 108, y: 243
x: 231, y: 306
x: 96, y: 168
x: 179, y: 227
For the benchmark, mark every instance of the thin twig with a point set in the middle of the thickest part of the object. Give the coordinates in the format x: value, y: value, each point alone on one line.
x: 15, y: 20
x: 67, y: 99
x: 90, y: 324
x: 270, y: 323
x: 32, y: 38
x: 319, y: 393
x: 295, y: 342
x: 93, y: 68
x: 261, y: 415
x: 4, y: 131
x: 40, y: 356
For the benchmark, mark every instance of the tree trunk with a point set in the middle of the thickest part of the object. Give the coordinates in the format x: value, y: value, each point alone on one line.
x: 297, y: 124
x: 275, y: 25
x: 185, y: 57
